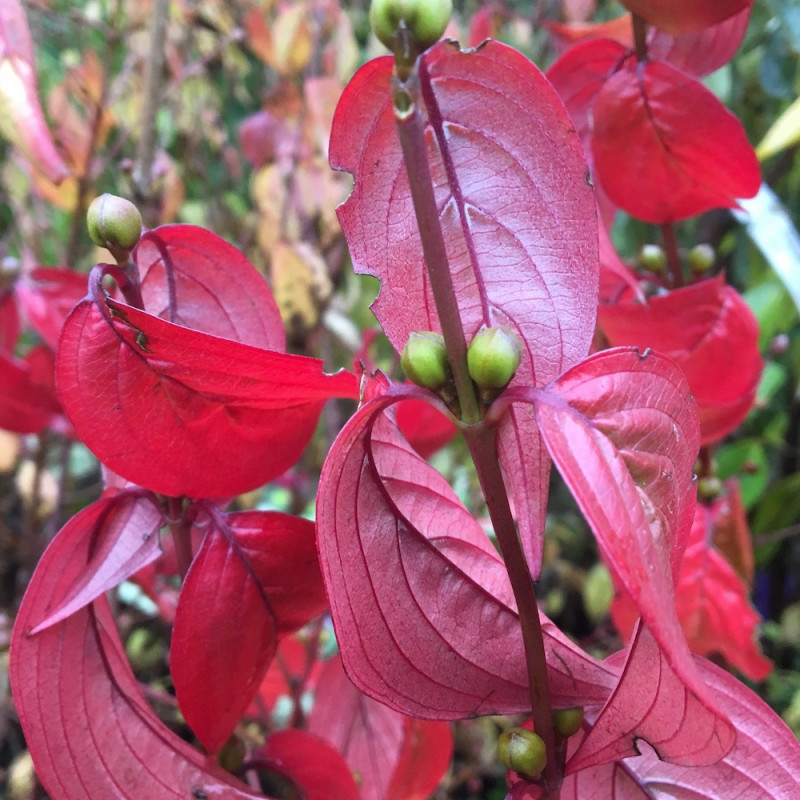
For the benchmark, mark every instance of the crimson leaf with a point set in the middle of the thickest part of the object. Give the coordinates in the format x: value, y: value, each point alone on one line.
x: 159, y: 403
x: 255, y: 576
x: 685, y: 16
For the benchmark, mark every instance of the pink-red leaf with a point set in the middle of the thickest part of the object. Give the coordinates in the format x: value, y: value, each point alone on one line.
x: 182, y: 412
x: 713, y: 604
x: 255, y: 576
x: 47, y: 296
x: 701, y: 52
x: 510, y: 182
x: 426, y: 428
x: 653, y: 704
x: 88, y: 727
x: 684, y: 152
x: 764, y: 762
x: 310, y: 763
x: 122, y: 535
x: 28, y: 402
x: 685, y: 16
x: 705, y: 328
x: 194, y: 278
x: 622, y: 429
x: 420, y: 599
x: 21, y: 117
x: 379, y: 743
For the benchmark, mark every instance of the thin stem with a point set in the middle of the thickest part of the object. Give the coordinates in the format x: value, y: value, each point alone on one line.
x: 411, y: 130
x: 145, y: 151
x: 181, y: 530
x: 640, y: 38
x: 482, y: 443
x: 673, y: 257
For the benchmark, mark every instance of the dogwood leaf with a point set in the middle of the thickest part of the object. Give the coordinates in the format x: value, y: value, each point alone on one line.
x: 685, y: 16
x: 516, y: 212
x: 378, y: 742
x: 684, y: 153
x: 159, y: 403
x: 420, y: 600
x: 255, y: 576
x: 704, y: 327
x: 89, y: 729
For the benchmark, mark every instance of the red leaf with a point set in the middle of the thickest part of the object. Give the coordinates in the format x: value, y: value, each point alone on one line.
x: 510, y: 180
x: 764, y: 761
x: 255, y: 576
x: 9, y: 322
x: 622, y: 430
x: 88, y: 727
x: 121, y: 534
x: 685, y: 16
x: 21, y: 117
x: 713, y: 604
x: 705, y: 328
x: 701, y: 52
x: 424, y: 426
x: 396, y: 757
x: 684, y: 152
x: 620, y: 29
x: 28, y: 403
x: 652, y: 703
x: 315, y: 768
x: 409, y: 571
x: 134, y: 383
x: 731, y: 534
x: 194, y: 278
x: 47, y: 296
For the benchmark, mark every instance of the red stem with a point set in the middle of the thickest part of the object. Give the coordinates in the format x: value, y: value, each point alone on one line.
x: 673, y: 256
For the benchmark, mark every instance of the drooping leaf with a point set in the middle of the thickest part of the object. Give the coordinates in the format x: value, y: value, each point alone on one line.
x: 684, y: 153
x: 701, y: 52
x: 310, y: 763
x: 21, y: 117
x: 47, y: 296
x: 713, y: 604
x: 28, y: 403
x: 256, y: 576
x: 87, y: 724
x: 622, y: 430
x: 420, y: 600
x: 121, y: 531
x: 685, y: 16
x: 510, y: 182
x: 182, y: 412
x: 705, y: 328
x: 379, y: 743
x: 763, y: 763
x: 196, y: 279
x: 652, y: 703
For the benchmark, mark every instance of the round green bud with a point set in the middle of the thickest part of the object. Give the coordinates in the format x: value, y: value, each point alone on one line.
x: 493, y: 357
x: 702, y: 257
x: 567, y: 721
x: 232, y: 754
x: 522, y: 751
x: 424, y: 360
x: 652, y: 257
x: 425, y: 20
x: 114, y: 222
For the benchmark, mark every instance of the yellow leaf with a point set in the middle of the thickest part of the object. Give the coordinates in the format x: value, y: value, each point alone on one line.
x: 785, y: 132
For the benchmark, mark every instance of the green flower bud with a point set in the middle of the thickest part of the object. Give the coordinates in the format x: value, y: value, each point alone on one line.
x: 567, y: 721
x: 702, y: 257
x: 522, y: 751
x: 424, y: 360
x: 493, y: 357
x: 652, y: 257
x: 425, y: 20
x: 114, y: 222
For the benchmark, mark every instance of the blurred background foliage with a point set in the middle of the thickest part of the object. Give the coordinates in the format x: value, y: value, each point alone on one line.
x: 240, y: 137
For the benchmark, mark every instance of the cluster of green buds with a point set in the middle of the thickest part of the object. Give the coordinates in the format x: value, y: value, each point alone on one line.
x: 493, y: 356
